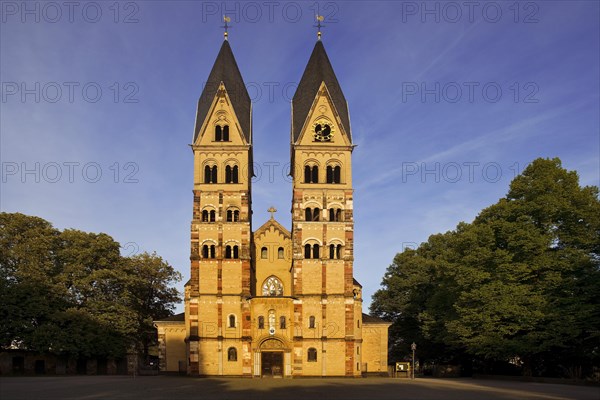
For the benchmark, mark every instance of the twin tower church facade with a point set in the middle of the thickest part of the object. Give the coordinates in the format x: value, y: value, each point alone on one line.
x: 273, y: 302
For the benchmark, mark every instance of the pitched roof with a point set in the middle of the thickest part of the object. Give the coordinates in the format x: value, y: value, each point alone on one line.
x: 225, y: 69
x: 317, y: 70
x: 354, y: 281
x: 173, y: 318
x: 368, y: 319
x: 267, y: 225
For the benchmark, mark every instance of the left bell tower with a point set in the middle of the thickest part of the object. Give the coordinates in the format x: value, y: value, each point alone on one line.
x: 217, y: 310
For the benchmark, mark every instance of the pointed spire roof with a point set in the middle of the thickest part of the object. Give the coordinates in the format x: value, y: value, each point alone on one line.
x: 225, y: 69
x: 317, y: 70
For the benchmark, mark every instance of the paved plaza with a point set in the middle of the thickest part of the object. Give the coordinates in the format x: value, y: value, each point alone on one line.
x: 172, y: 387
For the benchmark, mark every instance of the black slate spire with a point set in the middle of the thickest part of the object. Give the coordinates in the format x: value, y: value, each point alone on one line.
x: 225, y: 70
x: 318, y: 70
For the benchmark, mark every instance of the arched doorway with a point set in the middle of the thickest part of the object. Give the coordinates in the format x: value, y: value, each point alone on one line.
x: 274, y: 357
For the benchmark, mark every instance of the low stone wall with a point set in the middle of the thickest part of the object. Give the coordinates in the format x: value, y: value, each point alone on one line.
x: 18, y: 362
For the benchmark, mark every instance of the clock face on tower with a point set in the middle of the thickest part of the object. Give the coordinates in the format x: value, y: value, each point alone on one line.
x: 323, y: 130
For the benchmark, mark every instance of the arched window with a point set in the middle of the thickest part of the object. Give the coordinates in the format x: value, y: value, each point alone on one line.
x: 234, y: 178
x: 233, y: 215
x: 232, y: 252
x: 312, y: 214
x: 311, y: 322
x: 222, y: 133
x: 335, y: 215
x: 316, y: 214
x: 335, y: 251
x: 311, y: 174
x: 213, y: 215
x: 312, y: 251
x: 232, y: 354
x: 312, y: 354
x: 261, y: 322
x: 210, y: 174
x: 226, y: 133
x: 280, y: 254
x: 231, y: 174
x: 334, y: 173
x: 307, y: 174
x: 231, y: 321
x: 272, y: 287
x: 263, y: 252
x: 316, y: 249
x: 204, y: 215
x: 282, y: 322
x: 208, y: 251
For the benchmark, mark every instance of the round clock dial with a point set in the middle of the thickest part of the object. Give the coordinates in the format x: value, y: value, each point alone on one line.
x: 323, y: 131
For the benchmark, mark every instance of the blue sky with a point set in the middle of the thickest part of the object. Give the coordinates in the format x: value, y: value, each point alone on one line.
x: 447, y: 102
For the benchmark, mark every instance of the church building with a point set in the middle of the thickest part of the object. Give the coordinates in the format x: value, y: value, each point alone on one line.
x: 273, y: 301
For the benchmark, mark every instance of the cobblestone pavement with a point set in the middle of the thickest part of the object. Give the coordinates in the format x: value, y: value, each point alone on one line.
x: 186, y: 388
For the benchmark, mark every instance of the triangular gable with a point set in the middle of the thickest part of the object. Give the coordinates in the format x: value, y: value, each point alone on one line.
x: 222, y: 92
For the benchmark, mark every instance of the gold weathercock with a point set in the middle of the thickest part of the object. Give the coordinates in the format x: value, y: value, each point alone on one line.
x: 319, y: 19
x: 226, y: 20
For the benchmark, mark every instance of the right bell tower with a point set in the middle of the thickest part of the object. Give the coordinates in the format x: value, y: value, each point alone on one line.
x: 327, y: 305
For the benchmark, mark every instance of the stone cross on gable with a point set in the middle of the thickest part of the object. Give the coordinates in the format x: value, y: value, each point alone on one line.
x: 272, y: 210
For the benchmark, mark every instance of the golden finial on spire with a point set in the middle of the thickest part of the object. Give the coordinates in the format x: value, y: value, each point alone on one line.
x: 226, y: 19
x: 319, y: 19
x: 272, y: 210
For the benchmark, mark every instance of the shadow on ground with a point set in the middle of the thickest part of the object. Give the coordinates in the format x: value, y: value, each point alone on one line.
x: 171, y: 387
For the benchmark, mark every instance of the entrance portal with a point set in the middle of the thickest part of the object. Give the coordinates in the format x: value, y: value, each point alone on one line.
x: 272, y: 363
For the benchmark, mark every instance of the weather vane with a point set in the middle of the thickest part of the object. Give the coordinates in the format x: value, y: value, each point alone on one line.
x: 226, y: 19
x: 319, y: 19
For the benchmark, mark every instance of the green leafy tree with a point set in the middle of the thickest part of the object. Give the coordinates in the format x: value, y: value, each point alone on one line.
x: 150, y: 294
x: 72, y: 293
x: 27, y: 268
x: 520, y: 283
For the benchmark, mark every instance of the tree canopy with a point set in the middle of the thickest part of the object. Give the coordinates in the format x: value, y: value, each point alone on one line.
x: 72, y: 293
x: 520, y: 284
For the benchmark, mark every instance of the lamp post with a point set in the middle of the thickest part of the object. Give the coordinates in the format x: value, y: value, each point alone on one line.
x: 413, y: 347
